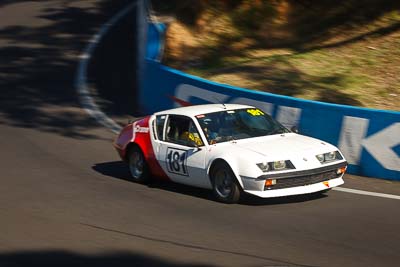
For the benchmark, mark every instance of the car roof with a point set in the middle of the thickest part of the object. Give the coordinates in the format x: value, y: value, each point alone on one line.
x: 202, y: 109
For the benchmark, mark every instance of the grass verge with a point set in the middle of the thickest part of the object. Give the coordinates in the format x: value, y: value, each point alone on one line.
x: 350, y: 55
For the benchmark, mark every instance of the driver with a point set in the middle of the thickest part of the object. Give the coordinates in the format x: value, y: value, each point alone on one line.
x: 210, y: 134
x: 191, y: 135
x: 209, y: 131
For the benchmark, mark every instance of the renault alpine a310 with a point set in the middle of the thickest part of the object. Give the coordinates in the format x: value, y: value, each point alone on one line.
x: 231, y: 149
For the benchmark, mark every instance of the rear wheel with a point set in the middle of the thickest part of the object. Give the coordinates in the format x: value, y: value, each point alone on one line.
x: 225, y: 185
x: 137, y: 165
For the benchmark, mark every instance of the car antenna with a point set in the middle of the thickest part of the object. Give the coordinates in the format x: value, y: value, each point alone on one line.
x: 220, y: 102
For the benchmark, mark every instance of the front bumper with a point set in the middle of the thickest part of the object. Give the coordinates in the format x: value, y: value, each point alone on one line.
x: 298, y: 190
x: 296, y: 182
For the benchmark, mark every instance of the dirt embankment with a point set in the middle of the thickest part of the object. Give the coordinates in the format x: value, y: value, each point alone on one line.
x: 345, y: 52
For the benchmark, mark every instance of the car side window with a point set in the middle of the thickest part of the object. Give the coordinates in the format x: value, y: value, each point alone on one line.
x: 159, y: 126
x: 182, y: 130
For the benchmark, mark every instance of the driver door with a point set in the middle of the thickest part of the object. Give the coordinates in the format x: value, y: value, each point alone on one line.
x: 181, y: 151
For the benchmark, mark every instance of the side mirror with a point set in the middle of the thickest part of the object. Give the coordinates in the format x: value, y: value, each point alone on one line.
x: 196, y: 149
x: 294, y: 129
x: 195, y: 146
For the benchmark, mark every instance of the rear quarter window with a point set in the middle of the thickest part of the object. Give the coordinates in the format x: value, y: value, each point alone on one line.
x: 159, y: 126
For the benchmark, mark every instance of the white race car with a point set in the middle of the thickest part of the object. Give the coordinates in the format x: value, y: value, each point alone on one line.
x: 230, y: 149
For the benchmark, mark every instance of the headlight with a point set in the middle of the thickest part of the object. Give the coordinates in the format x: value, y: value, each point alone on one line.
x: 321, y: 158
x: 329, y: 157
x: 263, y: 166
x: 279, y: 165
x: 276, y: 165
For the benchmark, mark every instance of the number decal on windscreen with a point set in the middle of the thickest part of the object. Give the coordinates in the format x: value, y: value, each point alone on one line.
x: 176, y: 161
x: 255, y: 112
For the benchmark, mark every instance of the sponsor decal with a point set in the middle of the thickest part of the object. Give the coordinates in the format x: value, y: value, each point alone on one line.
x: 255, y: 112
x: 139, y: 129
x: 326, y: 183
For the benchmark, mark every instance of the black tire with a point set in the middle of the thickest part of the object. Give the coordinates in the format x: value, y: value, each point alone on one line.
x: 138, y: 167
x: 225, y: 186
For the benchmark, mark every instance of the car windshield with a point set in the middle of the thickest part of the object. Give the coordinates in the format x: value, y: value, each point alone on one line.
x: 238, y: 124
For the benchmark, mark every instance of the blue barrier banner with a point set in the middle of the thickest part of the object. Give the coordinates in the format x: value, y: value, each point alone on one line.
x: 155, y: 35
x: 369, y: 139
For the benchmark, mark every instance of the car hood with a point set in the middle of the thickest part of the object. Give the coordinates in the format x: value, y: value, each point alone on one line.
x: 281, y: 146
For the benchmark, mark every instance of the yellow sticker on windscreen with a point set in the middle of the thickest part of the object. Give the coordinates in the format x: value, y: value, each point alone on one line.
x: 255, y: 112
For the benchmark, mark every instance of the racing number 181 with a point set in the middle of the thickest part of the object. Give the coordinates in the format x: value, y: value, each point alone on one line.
x: 176, y: 161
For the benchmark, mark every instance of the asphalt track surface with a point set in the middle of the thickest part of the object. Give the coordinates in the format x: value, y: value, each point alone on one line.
x: 64, y: 196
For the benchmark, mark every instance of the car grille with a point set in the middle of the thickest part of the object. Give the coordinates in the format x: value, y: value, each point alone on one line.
x: 303, y: 180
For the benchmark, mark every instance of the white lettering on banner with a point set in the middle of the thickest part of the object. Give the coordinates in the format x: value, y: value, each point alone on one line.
x: 265, y: 106
x: 185, y: 92
x: 353, y: 131
x: 288, y: 116
x: 380, y: 145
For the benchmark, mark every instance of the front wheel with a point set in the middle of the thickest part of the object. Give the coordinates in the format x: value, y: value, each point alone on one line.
x: 137, y: 166
x: 225, y: 185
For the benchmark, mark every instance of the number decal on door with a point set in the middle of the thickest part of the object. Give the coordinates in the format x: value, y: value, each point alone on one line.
x: 176, y: 161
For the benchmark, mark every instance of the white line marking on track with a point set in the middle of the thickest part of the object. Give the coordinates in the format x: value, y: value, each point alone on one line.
x: 85, y: 97
x: 93, y: 110
x: 367, y: 193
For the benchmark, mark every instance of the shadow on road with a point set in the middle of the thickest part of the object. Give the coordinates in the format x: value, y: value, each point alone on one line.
x: 119, y: 170
x: 40, y: 44
x: 112, y: 69
x: 69, y: 259
x: 251, y: 200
